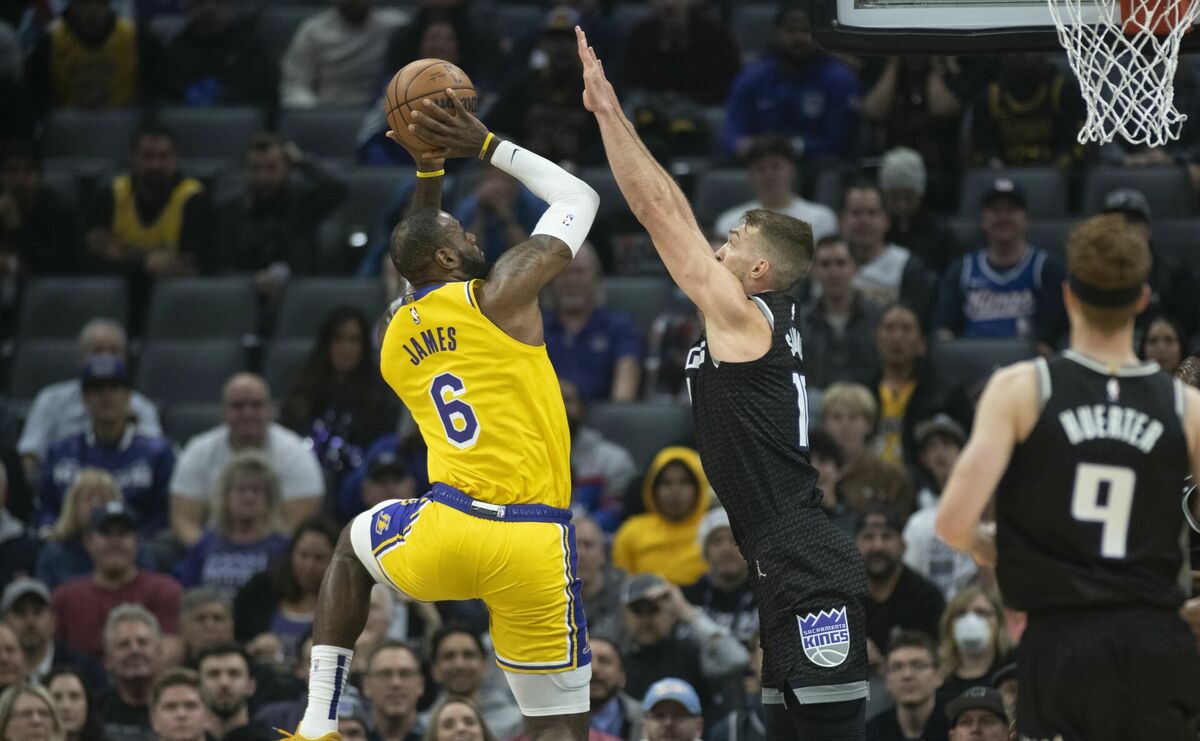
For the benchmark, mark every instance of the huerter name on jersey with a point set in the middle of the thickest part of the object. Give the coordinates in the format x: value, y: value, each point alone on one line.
x: 1111, y: 422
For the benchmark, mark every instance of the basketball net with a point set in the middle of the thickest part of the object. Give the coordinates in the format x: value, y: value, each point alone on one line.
x: 1125, y: 60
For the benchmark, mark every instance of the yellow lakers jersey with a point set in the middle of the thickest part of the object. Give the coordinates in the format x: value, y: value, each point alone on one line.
x: 488, y: 406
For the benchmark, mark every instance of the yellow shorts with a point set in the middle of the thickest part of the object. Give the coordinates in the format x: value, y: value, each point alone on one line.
x: 519, y: 559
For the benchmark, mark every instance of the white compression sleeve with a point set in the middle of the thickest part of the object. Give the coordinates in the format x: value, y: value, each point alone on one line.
x: 573, y: 203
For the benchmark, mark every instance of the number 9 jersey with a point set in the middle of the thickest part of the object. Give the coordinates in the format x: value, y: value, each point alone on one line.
x: 489, y: 407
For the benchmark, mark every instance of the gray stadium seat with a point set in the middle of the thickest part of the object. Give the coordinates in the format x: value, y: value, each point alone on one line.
x: 63, y: 184
x: 1168, y: 189
x: 643, y: 428
x: 1178, y: 239
x: 1051, y: 235
x: 518, y: 21
x: 714, y: 117
x: 59, y: 307
x: 962, y: 363
x: 718, y: 190
x: 218, y: 133
x: 283, y: 362
x: 642, y: 297
x: 72, y: 132
x: 187, y: 371
x: 277, y: 25
x: 326, y: 132
x: 182, y: 422
x: 39, y: 363
x: 1045, y: 187
x: 754, y: 28
x: 372, y: 191
x: 203, y: 308
x: 306, y: 302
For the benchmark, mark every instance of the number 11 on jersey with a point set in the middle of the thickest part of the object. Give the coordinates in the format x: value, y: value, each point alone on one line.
x: 802, y: 403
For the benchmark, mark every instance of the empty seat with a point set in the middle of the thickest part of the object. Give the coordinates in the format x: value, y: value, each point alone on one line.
x: 59, y: 307
x: 754, y: 28
x: 39, y: 363
x: 1045, y: 189
x: 1178, y: 239
x: 203, y: 308
x: 714, y: 118
x: 643, y: 428
x: 1051, y: 235
x: 325, y: 132
x: 718, y: 191
x: 307, y: 301
x: 373, y: 191
x: 642, y: 297
x: 106, y: 135
x: 213, y: 132
x: 283, y: 362
x: 963, y: 363
x: 63, y: 184
x: 1169, y: 189
x: 182, y: 422
x: 188, y: 371
x: 518, y: 21
x: 277, y: 25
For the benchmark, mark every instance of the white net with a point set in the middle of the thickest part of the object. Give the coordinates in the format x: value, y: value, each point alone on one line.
x: 1126, y: 70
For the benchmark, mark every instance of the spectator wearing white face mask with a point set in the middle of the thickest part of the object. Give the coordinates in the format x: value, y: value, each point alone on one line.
x: 972, y: 641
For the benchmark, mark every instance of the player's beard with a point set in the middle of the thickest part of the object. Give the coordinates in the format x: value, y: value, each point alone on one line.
x: 473, y: 266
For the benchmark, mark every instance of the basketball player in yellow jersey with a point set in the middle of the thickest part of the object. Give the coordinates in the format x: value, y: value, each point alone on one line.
x: 464, y: 351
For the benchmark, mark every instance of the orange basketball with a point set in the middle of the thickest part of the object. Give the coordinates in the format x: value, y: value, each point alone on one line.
x: 424, y: 78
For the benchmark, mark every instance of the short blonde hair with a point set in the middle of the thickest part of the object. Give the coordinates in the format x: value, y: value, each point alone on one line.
x: 1104, y: 253
x: 8, y: 702
x: 89, y: 478
x: 251, y: 464
x: 947, y: 649
x: 852, y: 396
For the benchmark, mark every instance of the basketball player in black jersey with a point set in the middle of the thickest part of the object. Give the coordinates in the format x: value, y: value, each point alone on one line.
x: 750, y: 408
x: 1086, y: 454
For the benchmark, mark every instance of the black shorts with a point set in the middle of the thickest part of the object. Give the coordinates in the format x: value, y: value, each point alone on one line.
x: 1114, y: 674
x: 811, y: 592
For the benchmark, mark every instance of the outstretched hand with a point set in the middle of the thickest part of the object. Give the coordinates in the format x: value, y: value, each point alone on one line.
x: 453, y: 135
x: 598, y: 93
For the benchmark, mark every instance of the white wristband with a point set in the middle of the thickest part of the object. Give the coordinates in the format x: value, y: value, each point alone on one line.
x: 573, y: 203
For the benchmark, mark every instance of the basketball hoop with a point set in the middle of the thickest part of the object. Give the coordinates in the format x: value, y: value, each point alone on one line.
x: 1125, y: 60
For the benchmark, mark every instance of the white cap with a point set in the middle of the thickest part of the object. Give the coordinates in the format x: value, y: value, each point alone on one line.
x: 713, y: 519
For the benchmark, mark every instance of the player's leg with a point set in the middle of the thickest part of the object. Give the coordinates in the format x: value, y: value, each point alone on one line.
x: 828, y: 721
x: 341, y: 615
x: 776, y: 719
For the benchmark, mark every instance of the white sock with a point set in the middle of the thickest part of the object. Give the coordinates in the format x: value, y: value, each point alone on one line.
x: 327, y: 677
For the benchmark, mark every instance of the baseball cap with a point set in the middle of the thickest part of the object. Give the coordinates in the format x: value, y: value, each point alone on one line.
x: 891, y: 519
x: 939, y: 424
x: 674, y: 689
x: 715, y: 518
x: 1127, y: 201
x: 104, y: 369
x: 560, y: 19
x: 113, y: 512
x: 387, y: 465
x: 976, y: 698
x: 643, y: 586
x: 351, y: 708
x: 1005, y: 188
x: 1004, y: 673
x: 20, y: 588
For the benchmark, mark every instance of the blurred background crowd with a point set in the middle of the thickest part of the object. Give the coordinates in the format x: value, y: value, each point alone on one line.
x: 195, y: 203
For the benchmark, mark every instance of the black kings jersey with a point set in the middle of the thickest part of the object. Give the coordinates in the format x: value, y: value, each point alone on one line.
x: 751, y: 422
x: 1088, y: 512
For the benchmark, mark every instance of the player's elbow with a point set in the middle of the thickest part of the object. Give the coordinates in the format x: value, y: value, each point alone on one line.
x: 953, y: 528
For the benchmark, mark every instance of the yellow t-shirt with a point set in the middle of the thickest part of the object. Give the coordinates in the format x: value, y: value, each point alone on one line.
x: 94, y: 77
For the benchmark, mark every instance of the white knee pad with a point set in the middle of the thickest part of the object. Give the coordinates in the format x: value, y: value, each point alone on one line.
x: 562, y: 693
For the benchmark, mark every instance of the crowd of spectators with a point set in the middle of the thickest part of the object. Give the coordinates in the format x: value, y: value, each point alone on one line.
x: 157, y: 586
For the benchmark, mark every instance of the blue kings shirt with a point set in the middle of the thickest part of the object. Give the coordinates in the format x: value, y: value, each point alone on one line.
x: 1000, y: 303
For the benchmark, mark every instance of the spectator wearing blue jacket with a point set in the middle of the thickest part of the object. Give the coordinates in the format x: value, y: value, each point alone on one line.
x: 797, y: 92
x: 140, y: 464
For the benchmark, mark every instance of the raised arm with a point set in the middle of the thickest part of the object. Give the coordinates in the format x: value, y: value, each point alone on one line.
x: 509, y: 295
x: 660, y: 205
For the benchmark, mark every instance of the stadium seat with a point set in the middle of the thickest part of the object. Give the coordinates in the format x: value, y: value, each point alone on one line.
x: 753, y: 27
x: 39, y: 363
x: 1178, y: 239
x: 643, y: 428
x: 714, y: 116
x: 182, y: 422
x: 58, y: 307
x: 642, y: 297
x: 372, y: 191
x: 1168, y: 189
x: 719, y: 190
x: 216, y: 133
x: 187, y: 371
x: 1051, y: 235
x: 518, y: 21
x: 627, y: 16
x: 827, y: 190
x: 277, y: 25
x: 108, y: 133
x: 63, y: 184
x: 203, y: 308
x: 284, y: 361
x: 1045, y: 189
x: 326, y: 132
x: 962, y: 363
x: 306, y: 302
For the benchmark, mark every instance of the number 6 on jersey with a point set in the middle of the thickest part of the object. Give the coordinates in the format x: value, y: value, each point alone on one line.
x: 458, y: 418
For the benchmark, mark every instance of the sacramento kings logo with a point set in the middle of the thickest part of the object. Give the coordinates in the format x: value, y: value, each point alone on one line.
x: 826, y: 636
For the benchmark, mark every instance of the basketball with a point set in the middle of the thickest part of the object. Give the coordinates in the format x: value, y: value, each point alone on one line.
x: 424, y: 78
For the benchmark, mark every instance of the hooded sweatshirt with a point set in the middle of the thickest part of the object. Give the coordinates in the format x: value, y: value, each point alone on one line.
x: 650, y: 543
